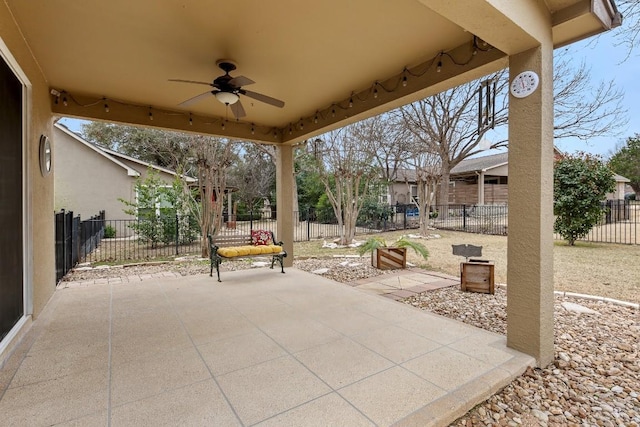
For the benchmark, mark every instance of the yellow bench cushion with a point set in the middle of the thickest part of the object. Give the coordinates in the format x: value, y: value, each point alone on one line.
x: 235, y: 251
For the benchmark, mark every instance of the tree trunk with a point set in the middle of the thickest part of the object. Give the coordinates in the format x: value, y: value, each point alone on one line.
x: 443, y: 196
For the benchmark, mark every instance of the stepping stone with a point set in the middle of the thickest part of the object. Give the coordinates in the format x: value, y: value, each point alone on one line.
x: 320, y: 271
x: 577, y: 308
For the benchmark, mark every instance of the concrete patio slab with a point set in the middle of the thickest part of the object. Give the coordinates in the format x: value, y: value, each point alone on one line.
x: 257, y: 349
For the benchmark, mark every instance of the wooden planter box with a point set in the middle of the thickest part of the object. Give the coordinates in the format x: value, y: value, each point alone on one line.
x: 389, y: 258
x: 477, y: 277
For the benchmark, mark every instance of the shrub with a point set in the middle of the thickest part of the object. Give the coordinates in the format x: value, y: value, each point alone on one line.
x: 109, y: 232
x: 324, y: 211
x: 580, y: 184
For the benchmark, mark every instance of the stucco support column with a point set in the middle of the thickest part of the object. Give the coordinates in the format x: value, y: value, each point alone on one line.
x: 530, y: 241
x: 481, y: 188
x: 284, y: 199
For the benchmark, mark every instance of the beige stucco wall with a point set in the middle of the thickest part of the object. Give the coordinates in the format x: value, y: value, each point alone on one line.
x: 40, y: 259
x: 87, y: 182
x: 400, y: 193
x: 499, y: 171
x: 619, y: 191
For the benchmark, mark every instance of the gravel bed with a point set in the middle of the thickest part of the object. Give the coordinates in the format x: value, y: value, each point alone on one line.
x: 595, y: 377
x: 593, y: 381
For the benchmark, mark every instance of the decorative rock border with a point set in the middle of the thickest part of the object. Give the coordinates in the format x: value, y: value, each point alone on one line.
x: 589, y: 298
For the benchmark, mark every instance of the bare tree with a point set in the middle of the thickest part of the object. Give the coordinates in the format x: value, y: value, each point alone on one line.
x: 212, y: 158
x: 446, y: 125
x: 388, y: 142
x: 428, y: 175
x: 582, y: 110
x: 346, y: 171
x: 628, y: 35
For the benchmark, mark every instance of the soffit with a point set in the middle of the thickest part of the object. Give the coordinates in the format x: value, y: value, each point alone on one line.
x: 313, y: 56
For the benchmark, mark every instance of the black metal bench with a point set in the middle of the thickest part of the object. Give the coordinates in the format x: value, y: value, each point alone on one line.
x: 239, y: 246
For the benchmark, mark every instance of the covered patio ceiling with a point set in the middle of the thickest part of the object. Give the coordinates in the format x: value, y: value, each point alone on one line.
x: 331, y: 62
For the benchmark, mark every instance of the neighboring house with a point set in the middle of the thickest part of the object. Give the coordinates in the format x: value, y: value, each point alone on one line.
x: 480, y: 181
x: 90, y: 178
x: 476, y: 181
x: 463, y: 185
x: 621, y: 188
x: 403, y: 189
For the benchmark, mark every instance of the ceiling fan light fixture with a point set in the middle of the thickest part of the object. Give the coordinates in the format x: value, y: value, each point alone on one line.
x: 227, y: 97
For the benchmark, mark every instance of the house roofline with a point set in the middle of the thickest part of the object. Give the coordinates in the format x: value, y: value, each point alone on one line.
x: 113, y: 156
x: 99, y: 150
x: 494, y: 166
x: 147, y: 164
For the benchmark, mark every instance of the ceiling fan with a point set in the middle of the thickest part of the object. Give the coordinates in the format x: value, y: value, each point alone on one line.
x: 228, y: 89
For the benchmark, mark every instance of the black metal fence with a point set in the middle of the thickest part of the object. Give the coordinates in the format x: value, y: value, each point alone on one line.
x: 75, y: 239
x: 620, y: 224
x: 100, y: 240
x: 483, y: 219
x: 143, y: 239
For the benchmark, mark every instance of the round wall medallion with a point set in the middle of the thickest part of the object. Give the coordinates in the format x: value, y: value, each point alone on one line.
x: 45, y: 155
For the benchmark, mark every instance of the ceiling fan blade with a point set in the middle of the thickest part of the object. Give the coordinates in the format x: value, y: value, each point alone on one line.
x: 263, y: 98
x: 195, y: 99
x: 241, y: 81
x: 190, y: 81
x: 238, y: 110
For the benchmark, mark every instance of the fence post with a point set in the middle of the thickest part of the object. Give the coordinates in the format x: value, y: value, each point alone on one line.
x: 251, y: 221
x: 464, y: 217
x: 64, y: 242
x: 404, y: 218
x: 308, y: 224
x: 177, y: 233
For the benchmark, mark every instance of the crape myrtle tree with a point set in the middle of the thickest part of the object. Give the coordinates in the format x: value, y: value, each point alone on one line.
x: 580, y: 185
x: 446, y: 125
x: 345, y: 168
x: 428, y: 172
x: 211, y: 157
x: 626, y: 161
x: 204, y: 157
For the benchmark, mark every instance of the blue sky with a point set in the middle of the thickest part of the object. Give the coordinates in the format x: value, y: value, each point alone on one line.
x: 606, y: 62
